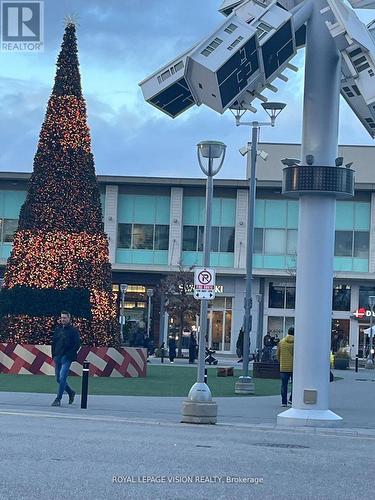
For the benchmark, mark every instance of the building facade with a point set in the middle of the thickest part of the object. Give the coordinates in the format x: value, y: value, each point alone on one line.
x: 155, y: 226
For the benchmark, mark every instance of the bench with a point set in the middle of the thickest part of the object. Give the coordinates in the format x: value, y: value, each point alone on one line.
x: 266, y: 370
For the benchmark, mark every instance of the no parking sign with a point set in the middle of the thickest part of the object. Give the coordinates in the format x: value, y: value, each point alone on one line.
x: 204, y: 283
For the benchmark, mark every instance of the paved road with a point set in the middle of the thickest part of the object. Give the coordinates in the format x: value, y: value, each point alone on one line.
x: 56, y: 453
x: 57, y: 457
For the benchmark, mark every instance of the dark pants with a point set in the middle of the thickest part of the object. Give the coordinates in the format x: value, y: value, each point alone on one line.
x: 285, y: 376
x: 62, y: 365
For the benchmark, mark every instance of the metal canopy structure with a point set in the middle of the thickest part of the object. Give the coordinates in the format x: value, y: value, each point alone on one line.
x: 253, y: 47
x: 231, y: 69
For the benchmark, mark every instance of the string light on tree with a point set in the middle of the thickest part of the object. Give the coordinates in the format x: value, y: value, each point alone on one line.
x: 60, y: 252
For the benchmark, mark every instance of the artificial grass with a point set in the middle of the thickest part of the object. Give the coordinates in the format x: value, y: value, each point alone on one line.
x: 160, y: 381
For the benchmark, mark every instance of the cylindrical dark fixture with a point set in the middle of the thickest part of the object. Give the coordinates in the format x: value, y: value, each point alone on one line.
x: 85, y: 383
x: 318, y: 179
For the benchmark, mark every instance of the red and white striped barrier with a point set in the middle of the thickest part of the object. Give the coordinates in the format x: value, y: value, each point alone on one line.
x: 27, y: 359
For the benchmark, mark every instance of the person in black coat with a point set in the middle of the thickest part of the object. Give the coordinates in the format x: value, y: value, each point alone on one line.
x: 192, y: 348
x: 65, y: 345
x: 172, y: 349
x: 239, y: 345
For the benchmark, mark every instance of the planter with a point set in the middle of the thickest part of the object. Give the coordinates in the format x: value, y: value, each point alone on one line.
x: 341, y: 363
x: 27, y: 359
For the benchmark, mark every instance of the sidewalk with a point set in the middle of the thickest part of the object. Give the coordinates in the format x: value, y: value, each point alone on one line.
x: 353, y: 398
x: 222, y: 361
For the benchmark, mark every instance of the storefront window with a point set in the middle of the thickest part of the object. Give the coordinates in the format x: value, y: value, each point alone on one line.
x: 281, y: 296
x: 339, y: 334
x: 279, y: 325
x: 364, y: 293
x: 341, y: 298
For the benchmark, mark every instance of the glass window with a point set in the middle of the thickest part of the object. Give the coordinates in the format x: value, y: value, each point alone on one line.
x: 258, y: 240
x: 290, y: 297
x: 161, y: 237
x: 276, y: 296
x: 275, y: 325
x: 179, y: 66
x: 9, y: 228
x: 291, y: 242
x: 200, y: 238
x: 214, y: 239
x: 227, y: 239
x: 341, y: 298
x: 143, y: 236
x: 289, y: 321
x: 124, y: 235
x: 361, y: 244
x: 343, y: 243
x: 189, y: 239
x: 228, y: 330
x: 339, y: 333
x: 364, y: 294
x: 275, y: 241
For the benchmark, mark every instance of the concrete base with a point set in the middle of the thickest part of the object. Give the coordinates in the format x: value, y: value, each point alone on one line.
x: 195, y: 412
x: 244, y: 385
x: 308, y: 418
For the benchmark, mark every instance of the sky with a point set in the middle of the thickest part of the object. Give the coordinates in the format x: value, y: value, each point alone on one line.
x: 120, y: 43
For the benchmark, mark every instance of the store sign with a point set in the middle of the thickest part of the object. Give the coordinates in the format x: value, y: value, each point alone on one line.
x: 362, y: 313
x: 218, y: 289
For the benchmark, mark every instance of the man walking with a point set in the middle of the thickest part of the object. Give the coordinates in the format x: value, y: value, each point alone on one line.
x: 65, y: 345
x: 285, y: 356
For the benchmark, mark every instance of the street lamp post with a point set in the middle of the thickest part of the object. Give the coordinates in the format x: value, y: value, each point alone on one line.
x: 244, y: 385
x: 370, y: 361
x: 199, y: 407
x: 123, y: 288
x: 150, y: 293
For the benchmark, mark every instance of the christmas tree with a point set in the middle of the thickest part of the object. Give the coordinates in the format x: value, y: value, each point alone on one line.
x: 60, y: 252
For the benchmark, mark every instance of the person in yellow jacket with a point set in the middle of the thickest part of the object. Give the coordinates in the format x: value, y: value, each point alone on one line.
x: 285, y: 350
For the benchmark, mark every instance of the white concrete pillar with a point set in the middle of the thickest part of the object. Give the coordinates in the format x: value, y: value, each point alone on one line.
x: 316, y: 232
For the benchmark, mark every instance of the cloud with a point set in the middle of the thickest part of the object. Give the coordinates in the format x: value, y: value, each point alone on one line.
x: 120, y: 43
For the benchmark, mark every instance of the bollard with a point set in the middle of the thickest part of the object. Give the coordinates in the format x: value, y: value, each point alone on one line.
x: 162, y: 354
x: 205, y: 375
x: 85, y: 383
x: 356, y: 363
